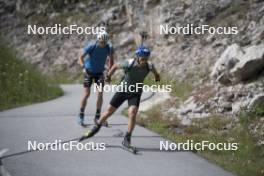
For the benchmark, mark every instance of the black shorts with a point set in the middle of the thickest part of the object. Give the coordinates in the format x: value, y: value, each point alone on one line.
x: 120, y: 97
x: 89, y: 78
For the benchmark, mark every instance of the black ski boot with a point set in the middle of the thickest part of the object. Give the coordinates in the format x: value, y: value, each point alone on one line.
x: 91, y: 132
x: 127, y: 144
x: 97, y: 117
x: 81, y: 119
x: 127, y: 140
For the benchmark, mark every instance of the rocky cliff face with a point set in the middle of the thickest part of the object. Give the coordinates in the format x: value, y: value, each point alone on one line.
x: 224, y: 70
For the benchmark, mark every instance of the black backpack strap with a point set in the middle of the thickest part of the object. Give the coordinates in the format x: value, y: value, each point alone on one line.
x: 128, y: 68
x: 131, y: 65
x: 150, y: 66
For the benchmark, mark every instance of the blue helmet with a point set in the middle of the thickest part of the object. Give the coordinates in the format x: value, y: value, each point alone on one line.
x: 142, y: 51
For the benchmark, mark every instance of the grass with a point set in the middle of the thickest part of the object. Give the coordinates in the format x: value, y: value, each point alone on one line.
x: 180, y: 89
x: 247, y: 160
x: 21, y: 83
x: 65, y: 77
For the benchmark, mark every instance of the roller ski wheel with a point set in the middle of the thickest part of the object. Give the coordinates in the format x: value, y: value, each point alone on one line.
x: 129, y: 148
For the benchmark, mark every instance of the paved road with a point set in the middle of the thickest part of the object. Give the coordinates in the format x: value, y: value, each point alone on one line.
x: 56, y: 119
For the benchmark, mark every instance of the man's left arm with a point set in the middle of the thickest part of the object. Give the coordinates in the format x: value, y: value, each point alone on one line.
x: 156, y: 74
x: 110, y: 61
x: 110, y: 57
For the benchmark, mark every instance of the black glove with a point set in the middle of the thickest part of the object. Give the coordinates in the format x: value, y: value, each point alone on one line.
x: 108, y: 79
x: 157, y: 78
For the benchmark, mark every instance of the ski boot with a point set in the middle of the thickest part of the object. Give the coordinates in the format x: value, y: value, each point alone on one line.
x: 90, y: 133
x: 81, y: 119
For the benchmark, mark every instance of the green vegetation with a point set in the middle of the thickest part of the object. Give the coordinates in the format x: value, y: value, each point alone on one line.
x: 180, y: 89
x: 247, y: 160
x: 21, y: 83
x: 65, y: 77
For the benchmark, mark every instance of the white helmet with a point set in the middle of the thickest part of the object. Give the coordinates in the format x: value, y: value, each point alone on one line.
x: 102, y: 36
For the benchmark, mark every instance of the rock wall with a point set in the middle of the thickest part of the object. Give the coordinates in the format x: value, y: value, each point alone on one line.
x: 224, y: 70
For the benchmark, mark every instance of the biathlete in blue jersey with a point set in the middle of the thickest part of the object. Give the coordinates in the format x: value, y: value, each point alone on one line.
x: 93, y: 60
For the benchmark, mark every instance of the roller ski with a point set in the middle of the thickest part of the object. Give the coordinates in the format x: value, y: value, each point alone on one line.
x: 126, y: 145
x: 90, y: 133
x: 130, y: 148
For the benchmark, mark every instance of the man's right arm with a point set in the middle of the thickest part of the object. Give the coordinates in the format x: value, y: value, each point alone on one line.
x: 156, y: 74
x: 112, y: 71
x: 86, y: 51
x: 81, y: 59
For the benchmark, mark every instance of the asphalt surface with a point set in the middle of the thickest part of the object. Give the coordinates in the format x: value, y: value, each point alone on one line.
x: 56, y: 119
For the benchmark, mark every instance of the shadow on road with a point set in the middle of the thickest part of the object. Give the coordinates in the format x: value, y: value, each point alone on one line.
x: 145, y: 149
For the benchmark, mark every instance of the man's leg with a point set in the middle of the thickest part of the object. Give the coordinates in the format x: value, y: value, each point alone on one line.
x: 88, y: 79
x: 133, y: 104
x: 99, y: 104
x: 115, y: 102
x: 97, y: 126
x: 132, y: 113
x: 100, y: 83
x: 110, y: 110
x: 85, y: 96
